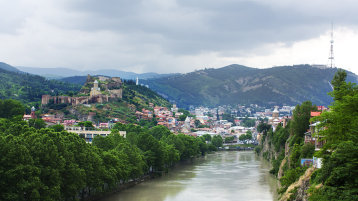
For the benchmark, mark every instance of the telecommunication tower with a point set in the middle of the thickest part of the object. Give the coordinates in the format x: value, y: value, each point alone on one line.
x: 331, y: 55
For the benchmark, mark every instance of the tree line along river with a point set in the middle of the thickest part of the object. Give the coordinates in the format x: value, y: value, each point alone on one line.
x: 222, y: 176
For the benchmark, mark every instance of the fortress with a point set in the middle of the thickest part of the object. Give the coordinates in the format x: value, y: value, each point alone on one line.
x: 111, y: 90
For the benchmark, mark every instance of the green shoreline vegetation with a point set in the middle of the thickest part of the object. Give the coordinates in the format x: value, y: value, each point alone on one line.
x: 49, y: 164
x: 338, y: 128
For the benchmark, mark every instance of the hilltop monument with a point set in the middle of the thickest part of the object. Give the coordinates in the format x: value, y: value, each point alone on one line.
x: 91, y: 92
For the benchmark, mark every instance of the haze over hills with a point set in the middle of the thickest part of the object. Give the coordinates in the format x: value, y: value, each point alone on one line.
x: 233, y: 84
x: 236, y: 84
x: 58, y: 73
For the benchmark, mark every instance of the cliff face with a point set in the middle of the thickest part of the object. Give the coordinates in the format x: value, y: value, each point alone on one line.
x: 298, y: 190
x: 293, y: 179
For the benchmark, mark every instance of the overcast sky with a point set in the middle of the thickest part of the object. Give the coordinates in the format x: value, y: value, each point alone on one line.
x: 167, y: 36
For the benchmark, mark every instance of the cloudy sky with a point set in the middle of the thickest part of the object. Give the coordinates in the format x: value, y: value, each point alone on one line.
x: 167, y: 36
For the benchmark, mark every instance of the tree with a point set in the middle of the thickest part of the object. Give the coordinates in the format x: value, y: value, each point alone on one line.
x: 248, y: 135
x: 159, y: 131
x: 197, y: 123
x: 57, y: 127
x: 207, y: 137
x: 11, y: 108
x: 301, y: 121
x: 191, y: 146
x: 246, y: 122
x: 37, y: 123
x: 242, y: 137
x: 86, y: 124
x: 217, y: 141
x: 182, y: 117
x: 263, y: 127
x: 229, y: 139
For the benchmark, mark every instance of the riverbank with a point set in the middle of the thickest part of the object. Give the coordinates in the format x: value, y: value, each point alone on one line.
x: 145, y: 178
x: 120, y: 188
x: 218, y: 176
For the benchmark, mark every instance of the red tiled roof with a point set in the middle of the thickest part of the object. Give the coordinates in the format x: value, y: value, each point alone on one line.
x: 315, y: 114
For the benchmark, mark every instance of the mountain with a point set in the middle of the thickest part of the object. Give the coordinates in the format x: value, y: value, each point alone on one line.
x: 236, y: 84
x: 58, y: 73
x: 29, y: 88
x: 75, y: 79
x: 5, y: 66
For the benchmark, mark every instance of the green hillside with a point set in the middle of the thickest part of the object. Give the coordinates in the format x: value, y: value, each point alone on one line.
x: 29, y: 88
x: 239, y: 84
x: 134, y: 98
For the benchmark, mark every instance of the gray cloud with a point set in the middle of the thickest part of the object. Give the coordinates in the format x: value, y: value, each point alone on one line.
x: 151, y: 35
x: 189, y: 27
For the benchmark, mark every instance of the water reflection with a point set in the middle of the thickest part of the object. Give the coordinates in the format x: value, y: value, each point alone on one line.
x: 222, y: 176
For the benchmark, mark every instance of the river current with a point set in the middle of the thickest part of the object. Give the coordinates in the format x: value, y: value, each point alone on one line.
x: 222, y: 176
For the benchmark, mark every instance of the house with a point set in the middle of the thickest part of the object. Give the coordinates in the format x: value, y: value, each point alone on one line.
x: 69, y: 122
x: 89, y: 134
x: 312, y: 136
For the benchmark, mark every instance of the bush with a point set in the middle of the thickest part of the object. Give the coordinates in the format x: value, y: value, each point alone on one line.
x: 307, y: 150
x: 258, y: 149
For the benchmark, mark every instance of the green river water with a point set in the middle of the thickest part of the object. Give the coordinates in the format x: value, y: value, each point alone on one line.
x: 222, y: 176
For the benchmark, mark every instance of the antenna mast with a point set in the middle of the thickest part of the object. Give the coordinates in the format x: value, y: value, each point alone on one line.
x: 331, y: 55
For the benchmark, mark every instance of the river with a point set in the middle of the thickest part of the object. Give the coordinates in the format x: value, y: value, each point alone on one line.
x: 222, y: 176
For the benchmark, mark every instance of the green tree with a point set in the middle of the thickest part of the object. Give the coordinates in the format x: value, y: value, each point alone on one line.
x: 11, y: 108
x: 57, y: 127
x: 182, y: 117
x: 229, y: 139
x: 159, y: 131
x: 86, y: 124
x: 37, y: 123
x: 217, y: 141
x: 301, y: 121
x: 248, y: 135
x: 263, y: 128
x: 191, y: 146
x: 197, y: 123
x: 207, y: 137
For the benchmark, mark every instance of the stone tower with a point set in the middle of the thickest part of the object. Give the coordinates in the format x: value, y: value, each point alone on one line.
x: 275, y: 113
x: 33, y: 115
x: 95, y: 90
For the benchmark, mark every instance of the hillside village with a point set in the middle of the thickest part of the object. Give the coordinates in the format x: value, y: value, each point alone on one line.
x: 227, y: 121
x: 230, y: 122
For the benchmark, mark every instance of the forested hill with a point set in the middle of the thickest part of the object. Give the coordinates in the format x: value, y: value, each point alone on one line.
x: 29, y: 88
x: 235, y: 84
x: 7, y: 67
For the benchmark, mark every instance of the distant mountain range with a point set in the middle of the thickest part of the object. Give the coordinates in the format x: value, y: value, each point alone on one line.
x: 236, y: 84
x: 59, y: 73
x: 230, y: 85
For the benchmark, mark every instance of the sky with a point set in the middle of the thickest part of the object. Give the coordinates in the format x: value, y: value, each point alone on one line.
x: 170, y: 36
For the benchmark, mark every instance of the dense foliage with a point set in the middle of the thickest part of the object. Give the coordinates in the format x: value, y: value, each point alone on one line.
x: 40, y: 163
x: 339, y: 130
x: 29, y: 88
x: 292, y: 136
